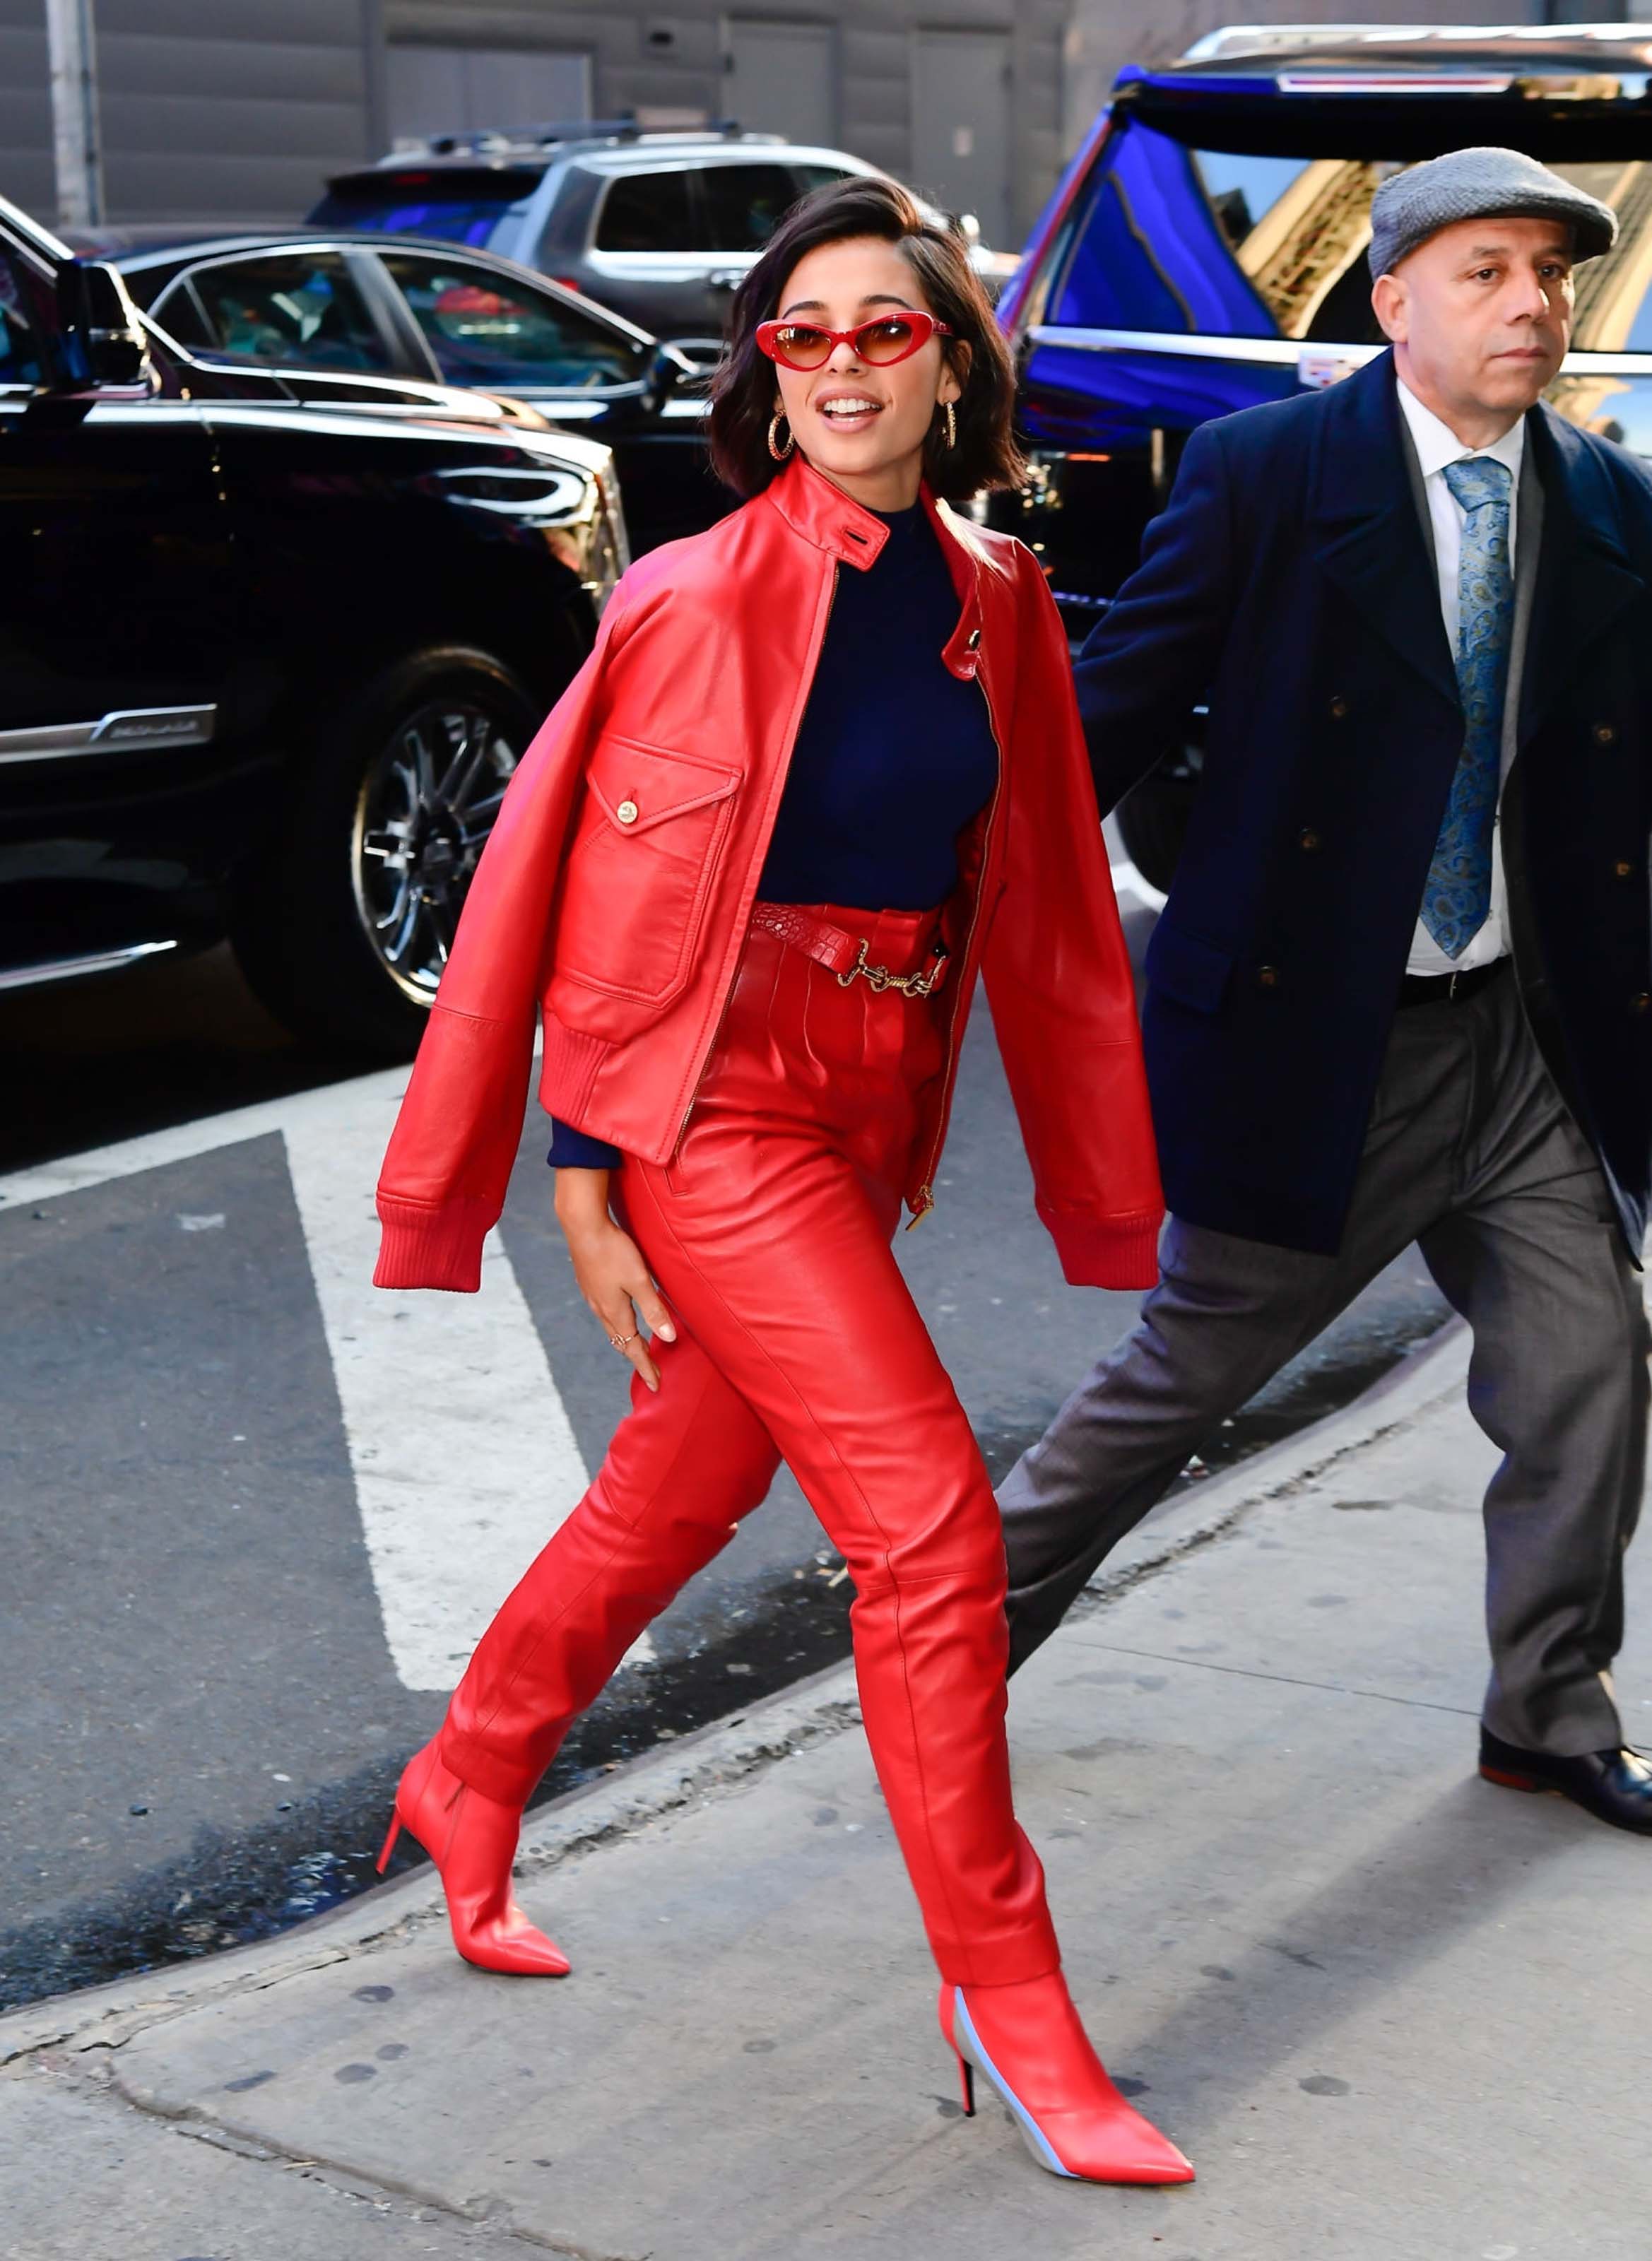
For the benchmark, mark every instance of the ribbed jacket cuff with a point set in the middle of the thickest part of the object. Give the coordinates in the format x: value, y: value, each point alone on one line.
x: 1114, y: 1251
x: 421, y: 1247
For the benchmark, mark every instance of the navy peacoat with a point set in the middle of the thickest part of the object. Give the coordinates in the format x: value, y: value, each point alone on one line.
x: 1291, y: 575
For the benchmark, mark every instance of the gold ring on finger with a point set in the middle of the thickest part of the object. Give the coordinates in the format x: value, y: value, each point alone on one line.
x: 619, y: 1341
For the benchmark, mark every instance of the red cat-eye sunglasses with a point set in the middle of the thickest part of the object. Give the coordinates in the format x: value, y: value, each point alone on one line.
x: 880, y: 342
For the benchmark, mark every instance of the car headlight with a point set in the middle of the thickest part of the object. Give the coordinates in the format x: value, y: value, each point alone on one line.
x: 571, y: 500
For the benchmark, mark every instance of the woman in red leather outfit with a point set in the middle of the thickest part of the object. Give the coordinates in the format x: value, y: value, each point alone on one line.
x: 822, y: 768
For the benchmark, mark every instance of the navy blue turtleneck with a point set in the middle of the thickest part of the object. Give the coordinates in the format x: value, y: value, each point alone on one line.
x: 893, y: 757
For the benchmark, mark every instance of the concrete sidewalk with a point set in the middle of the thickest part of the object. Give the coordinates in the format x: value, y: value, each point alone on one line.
x: 1391, y: 2013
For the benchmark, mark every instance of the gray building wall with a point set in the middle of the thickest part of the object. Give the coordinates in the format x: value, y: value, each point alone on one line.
x: 670, y: 60
x: 233, y: 112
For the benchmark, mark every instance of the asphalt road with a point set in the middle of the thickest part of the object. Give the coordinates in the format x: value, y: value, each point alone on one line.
x: 255, y: 1516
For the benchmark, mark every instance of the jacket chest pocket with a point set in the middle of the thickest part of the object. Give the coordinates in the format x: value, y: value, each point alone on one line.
x: 639, y: 872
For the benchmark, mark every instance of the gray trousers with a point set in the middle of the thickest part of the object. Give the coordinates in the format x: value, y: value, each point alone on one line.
x: 1472, y: 1154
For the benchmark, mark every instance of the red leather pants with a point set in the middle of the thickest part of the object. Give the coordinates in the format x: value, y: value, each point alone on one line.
x: 769, y: 1235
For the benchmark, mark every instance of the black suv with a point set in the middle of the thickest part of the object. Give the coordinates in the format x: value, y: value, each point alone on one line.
x: 266, y: 663
x: 1207, y: 251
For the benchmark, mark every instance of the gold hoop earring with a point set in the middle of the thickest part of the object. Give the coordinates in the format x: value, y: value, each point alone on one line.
x: 951, y: 425
x: 775, y: 422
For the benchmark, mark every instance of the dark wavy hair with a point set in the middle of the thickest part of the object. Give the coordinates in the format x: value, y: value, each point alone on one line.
x: 742, y: 390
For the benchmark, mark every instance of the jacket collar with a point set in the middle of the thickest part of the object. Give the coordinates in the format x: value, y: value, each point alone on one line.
x: 1364, y: 526
x: 1370, y: 541
x: 823, y: 514
x: 1585, y: 575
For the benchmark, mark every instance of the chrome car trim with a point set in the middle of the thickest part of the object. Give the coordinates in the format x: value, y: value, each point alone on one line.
x: 1285, y: 352
x: 125, y: 728
x: 65, y: 969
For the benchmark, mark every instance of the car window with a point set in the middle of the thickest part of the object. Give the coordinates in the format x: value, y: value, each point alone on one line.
x: 300, y: 308
x: 742, y: 204
x: 485, y: 329
x: 819, y: 176
x: 647, y: 211
x: 20, y: 348
x: 179, y: 315
x: 458, y: 203
x: 1264, y: 240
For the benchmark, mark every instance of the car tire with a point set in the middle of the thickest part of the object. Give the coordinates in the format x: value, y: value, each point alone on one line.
x: 1153, y: 822
x: 381, y: 833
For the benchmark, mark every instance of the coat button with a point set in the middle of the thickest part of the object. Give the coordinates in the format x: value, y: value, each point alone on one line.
x: 1340, y: 708
x: 1641, y: 1002
x: 1309, y: 841
x: 1605, y: 735
x: 1622, y: 870
x: 1268, y: 977
x: 628, y: 812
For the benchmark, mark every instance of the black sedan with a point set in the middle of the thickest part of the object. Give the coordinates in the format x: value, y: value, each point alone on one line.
x: 346, y: 315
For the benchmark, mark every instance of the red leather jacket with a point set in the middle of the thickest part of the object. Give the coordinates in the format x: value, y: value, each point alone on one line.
x: 614, y: 894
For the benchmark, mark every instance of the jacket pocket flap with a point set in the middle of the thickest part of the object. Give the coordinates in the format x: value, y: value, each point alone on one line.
x: 640, y: 786
x: 1196, y: 973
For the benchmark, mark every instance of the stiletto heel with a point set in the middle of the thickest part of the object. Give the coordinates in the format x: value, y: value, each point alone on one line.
x: 472, y: 1841
x: 967, y: 2081
x: 389, y: 1842
x: 1027, y: 2042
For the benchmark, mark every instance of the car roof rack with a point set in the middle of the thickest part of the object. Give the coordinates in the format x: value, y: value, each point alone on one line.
x: 521, y: 140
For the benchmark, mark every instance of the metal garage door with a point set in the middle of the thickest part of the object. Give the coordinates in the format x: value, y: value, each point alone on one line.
x: 782, y: 78
x: 960, y: 125
x: 463, y: 89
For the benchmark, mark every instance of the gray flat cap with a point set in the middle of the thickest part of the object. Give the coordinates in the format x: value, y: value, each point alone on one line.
x: 1480, y: 184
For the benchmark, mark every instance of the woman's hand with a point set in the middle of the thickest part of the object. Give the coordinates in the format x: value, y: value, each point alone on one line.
x: 608, y: 1266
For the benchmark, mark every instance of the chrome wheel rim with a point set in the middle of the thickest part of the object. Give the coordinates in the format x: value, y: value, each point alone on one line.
x: 425, y: 807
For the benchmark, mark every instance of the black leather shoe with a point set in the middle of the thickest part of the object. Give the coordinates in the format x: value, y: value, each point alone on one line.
x: 1615, y: 1786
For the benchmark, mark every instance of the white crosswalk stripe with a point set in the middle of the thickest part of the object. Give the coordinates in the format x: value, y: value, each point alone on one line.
x: 463, y: 1457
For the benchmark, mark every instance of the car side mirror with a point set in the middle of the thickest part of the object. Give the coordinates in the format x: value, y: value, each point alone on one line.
x: 668, y: 372
x: 113, y: 355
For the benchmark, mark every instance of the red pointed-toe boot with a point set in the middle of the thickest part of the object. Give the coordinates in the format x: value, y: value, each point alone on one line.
x: 472, y: 1840
x: 1027, y: 2042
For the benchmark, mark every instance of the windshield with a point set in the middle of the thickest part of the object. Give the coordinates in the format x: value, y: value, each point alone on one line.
x: 459, y: 207
x: 1245, y: 235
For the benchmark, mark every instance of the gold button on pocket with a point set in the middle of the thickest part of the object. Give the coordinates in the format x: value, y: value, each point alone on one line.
x: 628, y: 812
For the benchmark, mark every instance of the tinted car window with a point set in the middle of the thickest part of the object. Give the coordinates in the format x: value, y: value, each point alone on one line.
x: 457, y: 204
x: 486, y: 330
x: 1260, y: 241
x: 743, y: 205
x: 647, y: 211
x: 819, y: 176
x: 178, y: 312
x: 301, y: 308
x: 20, y: 354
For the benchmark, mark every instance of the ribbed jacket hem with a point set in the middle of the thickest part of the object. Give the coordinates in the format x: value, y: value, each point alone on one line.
x: 1114, y: 1251
x: 429, y: 1247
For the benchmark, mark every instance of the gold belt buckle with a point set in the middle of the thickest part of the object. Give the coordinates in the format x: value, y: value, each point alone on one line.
x: 907, y: 985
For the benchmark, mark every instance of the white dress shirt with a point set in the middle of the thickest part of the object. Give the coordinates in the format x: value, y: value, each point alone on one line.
x: 1438, y: 445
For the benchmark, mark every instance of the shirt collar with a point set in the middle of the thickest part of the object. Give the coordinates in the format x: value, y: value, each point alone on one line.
x: 1438, y: 445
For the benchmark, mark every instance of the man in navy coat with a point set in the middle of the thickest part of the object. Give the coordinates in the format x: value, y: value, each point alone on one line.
x: 1402, y: 988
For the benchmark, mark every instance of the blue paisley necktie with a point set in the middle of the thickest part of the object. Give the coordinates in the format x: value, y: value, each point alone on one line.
x: 1458, y: 896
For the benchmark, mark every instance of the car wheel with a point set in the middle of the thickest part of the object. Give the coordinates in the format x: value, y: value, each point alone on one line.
x: 1153, y: 822
x: 344, y: 928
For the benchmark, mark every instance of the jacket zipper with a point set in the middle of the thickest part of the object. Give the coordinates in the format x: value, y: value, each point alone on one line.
x: 926, y: 1201
x: 728, y: 997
